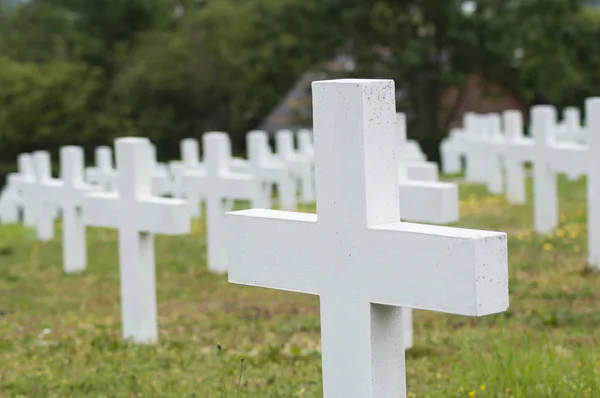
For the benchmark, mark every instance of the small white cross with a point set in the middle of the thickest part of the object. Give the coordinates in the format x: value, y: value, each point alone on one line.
x: 300, y: 165
x: 218, y: 186
x: 138, y: 215
x: 25, y: 182
x: 103, y: 174
x: 357, y: 255
x: 47, y: 211
x: 270, y: 171
x: 67, y: 194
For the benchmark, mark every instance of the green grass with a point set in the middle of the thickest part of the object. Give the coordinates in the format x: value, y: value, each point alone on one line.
x: 60, y: 334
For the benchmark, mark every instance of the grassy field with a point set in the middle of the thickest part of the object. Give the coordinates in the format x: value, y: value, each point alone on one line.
x: 60, y: 335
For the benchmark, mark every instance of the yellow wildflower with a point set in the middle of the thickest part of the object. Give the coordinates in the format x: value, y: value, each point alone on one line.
x: 560, y: 233
x: 472, y: 394
x: 482, y: 387
x: 547, y: 247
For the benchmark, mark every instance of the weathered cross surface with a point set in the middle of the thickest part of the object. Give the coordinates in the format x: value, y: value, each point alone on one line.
x: 219, y: 187
x: 138, y: 215
x: 363, y: 262
x: 67, y: 194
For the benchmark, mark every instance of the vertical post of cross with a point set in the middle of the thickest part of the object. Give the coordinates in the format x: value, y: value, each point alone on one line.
x: 515, y: 176
x: 592, y: 113
x: 545, y: 191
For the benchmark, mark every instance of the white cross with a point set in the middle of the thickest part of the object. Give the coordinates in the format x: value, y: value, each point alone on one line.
x: 162, y: 183
x: 475, y: 160
x: 103, y: 174
x: 305, y: 144
x: 494, y: 148
x: 25, y: 182
x: 67, y: 194
x: 452, y: 151
x: 218, y: 186
x: 423, y: 201
x: 138, y: 215
x: 515, y: 173
x: 190, y: 157
x: 301, y: 166
x: 47, y: 211
x: 10, y: 202
x: 549, y: 158
x: 592, y: 114
x: 357, y: 255
x: 270, y: 171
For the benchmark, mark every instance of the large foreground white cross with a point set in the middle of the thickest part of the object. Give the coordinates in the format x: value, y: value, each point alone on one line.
x: 357, y: 255
x: 138, y: 215
x: 67, y: 194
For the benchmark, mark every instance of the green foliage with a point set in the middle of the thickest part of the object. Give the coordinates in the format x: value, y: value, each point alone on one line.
x: 170, y: 69
x: 44, y: 106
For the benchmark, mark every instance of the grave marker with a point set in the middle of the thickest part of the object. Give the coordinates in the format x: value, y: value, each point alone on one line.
x: 301, y: 166
x: 357, y: 255
x: 67, y: 194
x: 592, y: 114
x: 25, y: 182
x: 138, y: 215
x: 103, y: 174
x: 270, y: 170
x: 47, y: 211
x: 515, y: 173
x: 219, y: 187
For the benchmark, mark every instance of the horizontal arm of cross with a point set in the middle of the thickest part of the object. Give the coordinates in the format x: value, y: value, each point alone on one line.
x: 570, y: 158
x: 522, y: 150
x: 281, y: 246
x: 443, y: 269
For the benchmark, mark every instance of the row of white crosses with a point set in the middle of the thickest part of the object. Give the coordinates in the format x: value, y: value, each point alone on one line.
x: 371, y: 262
x: 128, y: 206
x: 497, y: 158
x: 366, y: 265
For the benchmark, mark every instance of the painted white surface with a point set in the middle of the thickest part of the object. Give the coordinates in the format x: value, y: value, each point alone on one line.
x: 592, y: 112
x: 494, y: 150
x: 422, y: 171
x: 47, y: 210
x: 219, y: 187
x: 515, y: 172
x: 414, y: 152
x: 67, y: 194
x: 301, y: 166
x: 305, y: 144
x: 138, y: 215
x: 423, y: 201
x: 190, y: 156
x: 10, y: 201
x: 357, y: 255
x: 104, y: 173
x: 25, y: 182
x: 269, y: 171
x: 451, y: 151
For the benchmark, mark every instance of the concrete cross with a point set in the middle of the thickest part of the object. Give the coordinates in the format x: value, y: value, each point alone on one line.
x: 138, y: 215
x: 270, y: 171
x: 67, y: 194
x: 300, y: 165
x: 219, y: 187
x: 103, y: 174
x: 356, y: 254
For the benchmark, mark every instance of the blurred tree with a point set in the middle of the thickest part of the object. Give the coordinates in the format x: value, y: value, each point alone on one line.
x: 427, y: 46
